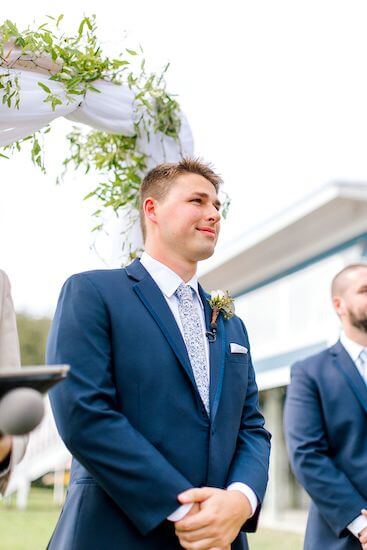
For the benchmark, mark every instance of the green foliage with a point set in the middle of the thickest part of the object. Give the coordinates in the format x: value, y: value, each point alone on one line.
x: 36, y: 147
x: 80, y: 58
x: 9, y: 86
x: 222, y: 302
x: 32, y: 338
x: 117, y: 157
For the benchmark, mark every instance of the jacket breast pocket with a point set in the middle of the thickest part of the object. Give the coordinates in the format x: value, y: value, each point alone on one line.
x: 236, y: 382
x: 237, y: 368
x: 241, y: 358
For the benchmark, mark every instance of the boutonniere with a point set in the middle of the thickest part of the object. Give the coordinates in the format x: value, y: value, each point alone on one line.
x: 220, y: 302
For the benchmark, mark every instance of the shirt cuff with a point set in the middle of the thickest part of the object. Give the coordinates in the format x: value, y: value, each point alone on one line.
x: 247, y: 491
x: 357, y: 525
x: 180, y: 512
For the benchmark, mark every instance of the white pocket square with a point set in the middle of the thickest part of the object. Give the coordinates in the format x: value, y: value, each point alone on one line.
x: 236, y: 348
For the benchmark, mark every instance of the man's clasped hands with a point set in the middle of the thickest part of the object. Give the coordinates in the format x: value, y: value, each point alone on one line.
x: 214, y: 520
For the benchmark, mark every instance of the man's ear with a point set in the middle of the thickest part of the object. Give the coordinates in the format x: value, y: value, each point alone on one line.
x: 338, y: 304
x: 149, y: 209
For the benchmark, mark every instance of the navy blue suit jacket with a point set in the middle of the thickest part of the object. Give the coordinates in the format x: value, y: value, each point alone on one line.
x: 326, y: 431
x: 132, y: 417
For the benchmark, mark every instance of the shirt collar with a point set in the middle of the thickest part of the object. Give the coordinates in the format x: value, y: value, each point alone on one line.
x: 166, y: 279
x: 351, y: 346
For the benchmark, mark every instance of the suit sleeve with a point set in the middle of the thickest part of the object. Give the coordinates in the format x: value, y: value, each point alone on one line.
x: 251, y: 461
x: 335, y: 497
x: 130, y: 469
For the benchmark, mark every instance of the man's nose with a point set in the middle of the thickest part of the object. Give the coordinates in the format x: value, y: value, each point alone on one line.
x: 213, y: 215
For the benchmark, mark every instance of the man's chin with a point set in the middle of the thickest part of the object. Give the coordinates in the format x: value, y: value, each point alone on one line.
x: 204, y: 254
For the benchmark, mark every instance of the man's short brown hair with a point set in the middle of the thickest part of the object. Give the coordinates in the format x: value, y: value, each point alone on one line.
x: 159, y: 180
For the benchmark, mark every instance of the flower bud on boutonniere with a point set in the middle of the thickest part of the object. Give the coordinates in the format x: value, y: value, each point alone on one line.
x: 220, y: 302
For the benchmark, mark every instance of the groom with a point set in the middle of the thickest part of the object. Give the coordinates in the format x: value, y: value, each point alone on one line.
x: 168, y: 442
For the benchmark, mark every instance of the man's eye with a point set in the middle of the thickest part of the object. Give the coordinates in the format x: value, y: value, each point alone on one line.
x: 196, y: 200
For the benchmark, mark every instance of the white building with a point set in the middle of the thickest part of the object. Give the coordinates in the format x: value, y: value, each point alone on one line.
x: 280, y: 275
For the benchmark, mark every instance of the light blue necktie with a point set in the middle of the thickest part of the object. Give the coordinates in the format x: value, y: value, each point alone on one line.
x: 194, y: 340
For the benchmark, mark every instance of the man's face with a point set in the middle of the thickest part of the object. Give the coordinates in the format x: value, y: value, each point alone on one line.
x: 188, y: 218
x: 353, y: 302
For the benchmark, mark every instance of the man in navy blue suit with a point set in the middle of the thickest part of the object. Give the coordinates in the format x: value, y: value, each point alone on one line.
x: 168, y: 442
x: 326, y: 424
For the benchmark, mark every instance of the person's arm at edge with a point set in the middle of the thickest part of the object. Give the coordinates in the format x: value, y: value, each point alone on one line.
x: 9, y: 357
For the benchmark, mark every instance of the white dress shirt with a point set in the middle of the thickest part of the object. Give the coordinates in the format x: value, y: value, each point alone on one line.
x: 168, y: 281
x: 354, y: 350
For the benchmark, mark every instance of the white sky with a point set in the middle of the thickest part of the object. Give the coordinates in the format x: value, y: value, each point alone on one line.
x: 276, y: 96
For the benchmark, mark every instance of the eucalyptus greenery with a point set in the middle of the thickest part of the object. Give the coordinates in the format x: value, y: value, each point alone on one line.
x: 221, y: 301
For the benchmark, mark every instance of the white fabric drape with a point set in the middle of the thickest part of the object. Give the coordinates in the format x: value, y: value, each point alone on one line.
x: 111, y: 111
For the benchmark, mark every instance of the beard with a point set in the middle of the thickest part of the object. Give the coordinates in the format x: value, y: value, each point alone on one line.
x: 359, y: 322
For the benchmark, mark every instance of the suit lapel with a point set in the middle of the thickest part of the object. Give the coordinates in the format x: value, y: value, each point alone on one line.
x: 350, y: 372
x: 153, y: 299
x: 216, y: 356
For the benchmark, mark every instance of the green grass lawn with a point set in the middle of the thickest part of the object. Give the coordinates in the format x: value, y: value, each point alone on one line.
x: 31, y: 529
x: 267, y: 539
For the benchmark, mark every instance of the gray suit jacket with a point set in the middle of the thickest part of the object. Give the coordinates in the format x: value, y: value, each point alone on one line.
x: 9, y: 357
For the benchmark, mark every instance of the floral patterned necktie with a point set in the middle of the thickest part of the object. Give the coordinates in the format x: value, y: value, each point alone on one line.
x: 194, y: 340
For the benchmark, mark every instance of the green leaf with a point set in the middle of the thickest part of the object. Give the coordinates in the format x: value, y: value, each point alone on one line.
x: 11, y: 26
x: 97, y: 227
x: 76, y: 92
x: 36, y: 147
x: 119, y: 63
x: 4, y: 156
x: 89, y: 195
x: 59, y: 19
x: 90, y: 87
x: 47, y: 38
x: 20, y: 42
x: 131, y: 52
x: 44, y: 87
